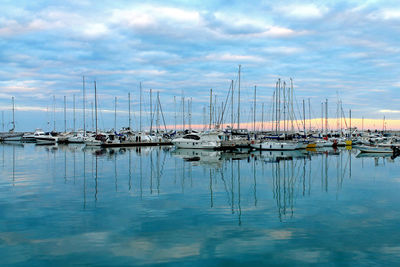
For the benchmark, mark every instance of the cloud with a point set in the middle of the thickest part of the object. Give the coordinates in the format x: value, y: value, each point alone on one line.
x: 302, y: 11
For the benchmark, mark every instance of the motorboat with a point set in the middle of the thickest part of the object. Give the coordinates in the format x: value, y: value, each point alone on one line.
x: 204, y: 140
x: 31, y: 137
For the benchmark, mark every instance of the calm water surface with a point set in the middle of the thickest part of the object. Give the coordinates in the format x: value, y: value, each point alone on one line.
x: 70, y: 205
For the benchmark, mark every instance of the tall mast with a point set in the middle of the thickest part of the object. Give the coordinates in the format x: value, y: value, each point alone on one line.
x: 74, y: 111
x: 13, y: 115
x: 304, y: 120
x: 326, y: 116
x: 183, y: 112
x: 322, y: 117
x: 232, y: 105
x: 284, y: 107
x: 279, y: 106
x: 254, y: 109
x: 362, y: 125
x: 175, y: 112
x: 129, y: 111
x: 140, y: 111
x: 95, y: 104
x: 54, y: 112
x: 211, y: 107
x: 309, y: 113
x: 238, y: 124
x: 65, y: 114
x: 262, y: 117
x: 350, y: 121
x: 115, y: 114
x: 2, y: 120
x: 84, y: 108
x: 291, y: 100
x: 91, y: 105
x: 158, y: 112
x: 273, y: 111
x: 151, y: 112
x: 276, y: 108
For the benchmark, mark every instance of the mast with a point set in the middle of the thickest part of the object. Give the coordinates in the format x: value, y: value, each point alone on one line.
x: 54, y: 112
x: 279, y: 106
x: 140, y: 107
x: 84, y: 107
x: 115, y: 114
x: 13, y: 114
x: 2, y: 120
x: 362, y: 125
x: 309, y: 113
x: 322, y: 118
x: 129, y: 111
x: 238, y: 124
x: 254, y: 109
x: 151, y: 113
x: 284, y: 108
x: 175, y: 112
x: 326, y: 116
x: 91, y: 104
x: 95, y: 105
x: 183, y: 112
x: 350, y: 122
x: 232, y: 105
x: 74, y: 111
x: 158, y: 112
x: 262, y: 117
x: 304, y: 120
x: 65, y: 114
x: 211, y: 107
x: 291, y: 98
x: 276, y: 108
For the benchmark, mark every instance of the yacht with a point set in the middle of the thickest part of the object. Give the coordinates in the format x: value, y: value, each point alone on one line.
x: 31, y: 137
x: 205, y: 140
x: 46, y: 139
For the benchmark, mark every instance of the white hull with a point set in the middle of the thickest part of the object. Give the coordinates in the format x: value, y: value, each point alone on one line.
x: 275, y: 146
x: 195, y: 144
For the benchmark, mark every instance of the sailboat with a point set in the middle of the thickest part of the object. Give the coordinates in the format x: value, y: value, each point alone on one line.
x: 11, y: 136
x: 92, y: 140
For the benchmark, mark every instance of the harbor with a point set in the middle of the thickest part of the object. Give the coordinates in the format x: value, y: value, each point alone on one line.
x: 199, y: 133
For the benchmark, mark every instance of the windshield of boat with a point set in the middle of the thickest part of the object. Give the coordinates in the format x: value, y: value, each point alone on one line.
x: 191, y: 136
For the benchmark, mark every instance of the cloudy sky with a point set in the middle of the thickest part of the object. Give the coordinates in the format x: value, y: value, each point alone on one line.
x: 331, y: 49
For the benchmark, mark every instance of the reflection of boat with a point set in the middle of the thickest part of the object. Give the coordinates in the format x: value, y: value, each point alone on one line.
x: 274, y: 156
x: 374, y: 149
x: 373, y: 155
x: 201, y: 155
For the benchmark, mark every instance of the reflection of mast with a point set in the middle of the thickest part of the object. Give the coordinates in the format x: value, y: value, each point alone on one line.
x: 211, y: 191
x: 255, y: 182
x: 84, y: 179
x: 95, y: 194
x: 141, y: 176
x: 232, y: 184
x: 65, y: 166
x: 240, y: 208
x: 115, y: 172
x: 13, y: 165
x: 130, y: 170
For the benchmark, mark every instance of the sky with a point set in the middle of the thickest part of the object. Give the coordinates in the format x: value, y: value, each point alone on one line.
x: 347, y: 50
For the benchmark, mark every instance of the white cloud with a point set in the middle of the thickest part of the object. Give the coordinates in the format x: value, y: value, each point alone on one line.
x: 233, y: 57
x: 283, y: 50
x: 302, y: 11
x: 389, y: 111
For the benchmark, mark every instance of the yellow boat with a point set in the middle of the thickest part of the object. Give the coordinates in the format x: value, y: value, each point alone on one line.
x: 348, y: 142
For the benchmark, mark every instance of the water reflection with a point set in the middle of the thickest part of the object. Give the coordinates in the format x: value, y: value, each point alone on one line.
x: 130, y: 193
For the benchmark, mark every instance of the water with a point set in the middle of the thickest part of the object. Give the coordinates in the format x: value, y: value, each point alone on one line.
x: 68, y: 205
